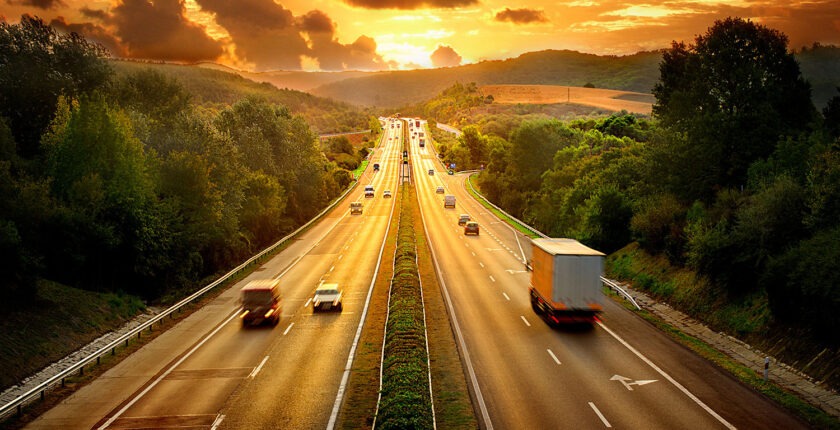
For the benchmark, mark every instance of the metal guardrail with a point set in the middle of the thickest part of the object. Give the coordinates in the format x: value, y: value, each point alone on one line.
x: 40, y: 390
x: 608, y: 282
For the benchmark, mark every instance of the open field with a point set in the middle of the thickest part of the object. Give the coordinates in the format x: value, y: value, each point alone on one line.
x: 550, y: 94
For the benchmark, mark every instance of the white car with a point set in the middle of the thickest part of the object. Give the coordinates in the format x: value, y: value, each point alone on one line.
x: 327, y: 297
x: 439, y: 190
x: 386, y: 194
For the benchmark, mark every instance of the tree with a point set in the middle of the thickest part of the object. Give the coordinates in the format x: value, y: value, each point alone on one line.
x: 831, y: 113
x: 733, y: 93
x: 37, y: 65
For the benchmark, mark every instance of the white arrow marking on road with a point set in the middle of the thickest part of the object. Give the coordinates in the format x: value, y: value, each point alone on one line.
x: 624, y: 380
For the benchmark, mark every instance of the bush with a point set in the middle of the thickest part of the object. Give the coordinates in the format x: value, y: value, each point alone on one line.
x: 803, y: 285
x: 658, y: 225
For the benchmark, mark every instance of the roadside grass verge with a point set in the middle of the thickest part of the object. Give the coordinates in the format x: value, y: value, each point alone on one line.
x: 510, y: 221
x: 452, y: 402
x: 405, y: 398
x: 690, y: 293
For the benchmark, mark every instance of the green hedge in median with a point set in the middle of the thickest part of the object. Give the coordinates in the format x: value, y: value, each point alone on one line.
x: 406, y: 402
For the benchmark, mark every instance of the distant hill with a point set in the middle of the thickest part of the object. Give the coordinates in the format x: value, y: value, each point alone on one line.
x: 637, y: 73
x: 217, y: 85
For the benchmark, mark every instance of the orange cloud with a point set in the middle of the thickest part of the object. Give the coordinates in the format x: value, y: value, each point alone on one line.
x: 445, y: 56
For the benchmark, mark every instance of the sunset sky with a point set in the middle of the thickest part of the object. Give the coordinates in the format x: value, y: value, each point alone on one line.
x: 264, y: 35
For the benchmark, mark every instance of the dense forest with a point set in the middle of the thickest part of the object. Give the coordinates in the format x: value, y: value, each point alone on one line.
x: 124, y: 182
x: 736, y: 177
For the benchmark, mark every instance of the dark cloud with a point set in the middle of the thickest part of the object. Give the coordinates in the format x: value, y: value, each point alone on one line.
x: 93, y: 33
x: 159, y: 29
x: 271, y: 37
x: 445, y: 56
x: 94, y: 13
x: 264, y: 32
x: 42, y: 4
x: 521, y: 16
x: 316, y: 22
x: 410, y: 4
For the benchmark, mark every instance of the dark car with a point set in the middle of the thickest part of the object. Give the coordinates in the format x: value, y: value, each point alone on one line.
x: 471, y: 228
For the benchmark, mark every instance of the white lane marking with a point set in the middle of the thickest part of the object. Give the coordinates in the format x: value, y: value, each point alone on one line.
x: 525, y: 321
x: 340, y: 256
x: 481, y: 264
x: 473, y: 253
x: 168, y: 371
x: 506, y: 296
x: 551, y: 353
x: 668, y: 377
x: 285, y: 332
x: 492, y: 278
x: 332, y: 268
x: 258, y: 368
x: 308, y: 301
x: 217, y: 422
x: 600, y: 415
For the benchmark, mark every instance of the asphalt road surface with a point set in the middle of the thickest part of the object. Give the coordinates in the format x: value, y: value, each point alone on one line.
x: 210, y: 372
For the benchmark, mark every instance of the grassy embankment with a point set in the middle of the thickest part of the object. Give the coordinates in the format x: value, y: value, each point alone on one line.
x: 748, y: 316
x: 453, y: 409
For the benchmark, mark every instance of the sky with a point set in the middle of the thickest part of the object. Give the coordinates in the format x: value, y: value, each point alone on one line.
x: 332, y: 35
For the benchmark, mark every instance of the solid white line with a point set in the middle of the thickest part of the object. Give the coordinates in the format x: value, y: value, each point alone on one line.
x: 217, y: 422
x: 506, y: 296
x: 481, y: 264
x: 525, y: 321
x: 551, y: 353
x: 285, y: 332
x: 167, y: 372
x: 258, y: 368
x: 669, y: 378
x: 600, y: 415
x: 342, y: 386
x: 492, y: 278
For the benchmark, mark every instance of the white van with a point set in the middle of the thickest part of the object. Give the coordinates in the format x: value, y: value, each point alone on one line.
x: 449, y: 201
x: 368, y: 191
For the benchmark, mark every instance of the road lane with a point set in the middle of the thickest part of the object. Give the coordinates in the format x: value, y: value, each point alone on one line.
x: 599, y: 379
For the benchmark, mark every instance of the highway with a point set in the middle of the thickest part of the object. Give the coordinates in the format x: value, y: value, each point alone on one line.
x: 210, y: 372
x: 623, y: 373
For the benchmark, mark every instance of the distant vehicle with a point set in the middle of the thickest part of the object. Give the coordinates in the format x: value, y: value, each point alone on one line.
x: 450, y: 172
x: 463, y: 219
x: 471, y: 227
x: 566, y: 281
x: 422, y: 143
x: 449, y: 201
x: 375, y: 167
x: 261, y: 302
x: 431, y: 171
x: 417, y: 123
x: 439, y: 190
x: 386, y: 194
x: 356, y: 208
x: 327, y: 297
x: 369, y: 191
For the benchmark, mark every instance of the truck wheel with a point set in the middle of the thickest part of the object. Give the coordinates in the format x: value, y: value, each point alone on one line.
x: 339, y: 307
